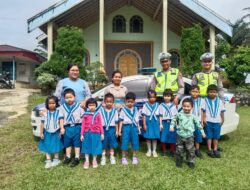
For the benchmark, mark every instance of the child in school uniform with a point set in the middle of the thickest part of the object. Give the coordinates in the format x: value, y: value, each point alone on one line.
x: 151, y: 125
x: 110, y: 126
x: 71, y: 118
x: 167, y: 111
x: 51, y: 142
x: 197, y: 102
x: 92, y: 133
x: 185, y: 123
x: 129, y: 128
x: 213, y: 118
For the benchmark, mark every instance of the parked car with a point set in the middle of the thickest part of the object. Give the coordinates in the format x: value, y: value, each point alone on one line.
x: 140, y: 84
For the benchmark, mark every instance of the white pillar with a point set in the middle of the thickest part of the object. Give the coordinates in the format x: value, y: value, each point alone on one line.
x: 101, y: 31
x: 212, y: 41
x: 165, y: 26
x: 50, y: 39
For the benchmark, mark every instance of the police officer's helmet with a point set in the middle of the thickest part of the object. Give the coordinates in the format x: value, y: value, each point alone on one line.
x: 207, y: 57
x: 163, y: 56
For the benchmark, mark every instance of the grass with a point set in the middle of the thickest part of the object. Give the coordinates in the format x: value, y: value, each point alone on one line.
x: 22, y: 166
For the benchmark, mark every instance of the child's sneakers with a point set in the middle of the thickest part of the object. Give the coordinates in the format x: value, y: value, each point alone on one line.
x: 148, y: 154
x: 210, y: 153
x: 191, y: 165
x: 48, y: 164
x: 75, y: 162
x: 135, y: 161
x: 55, y: 162
x: 95, y: 165
x: 103, y: 161
x: 112, y: 160
x: 67, y: 160
x: 124, y: 161
x: 86, y: 165
x: 198, y: 154
x: 217, y: 154
x: 155, y: 155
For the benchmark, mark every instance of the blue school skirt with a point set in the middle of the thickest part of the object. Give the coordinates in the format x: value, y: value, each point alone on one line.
x: 130, y: 134
x: 153, y: 129
x: 166, y: 135
x: 52, y: 143
x: 92, y: 143
x: 110, y: 140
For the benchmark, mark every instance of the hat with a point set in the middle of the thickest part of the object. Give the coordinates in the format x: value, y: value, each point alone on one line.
x: 207, y: 56
x: 164, y: 56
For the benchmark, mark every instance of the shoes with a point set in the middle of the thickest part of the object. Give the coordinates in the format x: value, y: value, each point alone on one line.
x: 171, y: 154
x: 155, y: 155
x: 75, y: 162
x: 55, y: 162
x: 124, y: 161
x: 164, y: 154
x: 103, y: 161
x: 148, y: 154
x: 67, y: 160
x: 112, y: 160
x: 178, y: 163
x: 217, y: 154
x: 198, y: 154
x: 191, y: 165
x: 135, y: 161
x: 86, y: 165
x: 95, y: 165
x: 219, y: 149
x: 48, y: 164
x: 210, y: 153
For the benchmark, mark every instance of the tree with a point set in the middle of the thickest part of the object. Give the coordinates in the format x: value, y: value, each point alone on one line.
x: 237, y: 65
x: 95, y: 74
x: 191, y: 48
x: 69, y: 48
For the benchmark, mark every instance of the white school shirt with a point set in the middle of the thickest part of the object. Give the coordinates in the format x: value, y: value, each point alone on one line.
x: 125, y: 119
x: 213, y: 109
x: 154, y: 108
x: 168, y: 113
x: 197, y: 103
x: 50, y: 121
x: 106, y: 117
x: 71, y: 114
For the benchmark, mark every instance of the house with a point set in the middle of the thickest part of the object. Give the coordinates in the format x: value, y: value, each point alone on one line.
x: 129, y: 34
x: 19, y: 63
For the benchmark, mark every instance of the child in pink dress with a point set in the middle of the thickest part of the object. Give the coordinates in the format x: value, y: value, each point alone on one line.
x: 92, y: 133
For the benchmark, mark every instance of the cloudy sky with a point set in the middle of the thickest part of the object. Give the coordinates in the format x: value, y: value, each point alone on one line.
x: 14, y: 15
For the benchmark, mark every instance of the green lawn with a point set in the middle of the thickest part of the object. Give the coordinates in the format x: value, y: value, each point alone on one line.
x: 22, y: 166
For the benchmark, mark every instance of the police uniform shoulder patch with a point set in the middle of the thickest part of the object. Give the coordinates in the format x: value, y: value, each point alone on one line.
x: 159, y: 74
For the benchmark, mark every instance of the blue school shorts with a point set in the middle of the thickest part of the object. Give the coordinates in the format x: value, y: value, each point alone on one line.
x: 212, y: 130
x: 72, y: 136
x: 110, y: 140
x: 197, y: 135
x: 130, y: 134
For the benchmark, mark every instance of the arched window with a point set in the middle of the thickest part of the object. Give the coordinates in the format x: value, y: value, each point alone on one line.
x: 175, y: 58
x: 119, y: 24
x: 86, y: 59
x: 136, y: 24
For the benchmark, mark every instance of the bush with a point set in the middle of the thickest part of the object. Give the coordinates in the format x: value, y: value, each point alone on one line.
x: 47, y: 82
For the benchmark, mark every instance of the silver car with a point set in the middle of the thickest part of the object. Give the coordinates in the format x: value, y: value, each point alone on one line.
x: 140, y: 84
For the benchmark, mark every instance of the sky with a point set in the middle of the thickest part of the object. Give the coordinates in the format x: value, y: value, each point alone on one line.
x: 14, y: 15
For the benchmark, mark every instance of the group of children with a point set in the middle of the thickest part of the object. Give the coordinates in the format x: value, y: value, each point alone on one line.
x: 95, y: 130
